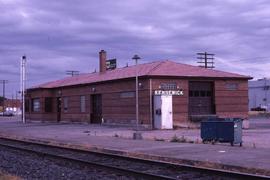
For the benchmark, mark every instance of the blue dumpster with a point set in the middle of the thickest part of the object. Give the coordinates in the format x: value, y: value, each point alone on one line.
x: 222, y: 130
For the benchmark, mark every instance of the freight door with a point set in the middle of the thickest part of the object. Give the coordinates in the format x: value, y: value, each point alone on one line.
x: 201, y: 98
x: 96, y: 115
x: 163, y: 112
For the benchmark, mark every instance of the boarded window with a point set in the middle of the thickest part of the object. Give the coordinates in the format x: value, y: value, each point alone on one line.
x: 231, y: 86
x: 48, y: 104
x: 127, y: 94
x: 65, y: 104
x: 82, y: 103
x: 36, y: 105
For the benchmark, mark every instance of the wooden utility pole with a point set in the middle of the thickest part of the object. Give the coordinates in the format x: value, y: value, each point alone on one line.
x: 4, y: 89
x: 207, y: 59
x: 72, y: 73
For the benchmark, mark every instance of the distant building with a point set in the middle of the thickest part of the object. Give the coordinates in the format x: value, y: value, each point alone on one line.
x: 170, y: 94
x: 259, y: 94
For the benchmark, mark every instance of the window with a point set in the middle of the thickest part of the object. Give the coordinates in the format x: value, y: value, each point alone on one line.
x: 36, y: 105
x: 127, y: 94
x: 190, y: 93
x: 82, y: 103
x: 196, y: 93
x: 48, y: 104
x: 231, y: 86
x: 168, y: 86
x: 65, y: 104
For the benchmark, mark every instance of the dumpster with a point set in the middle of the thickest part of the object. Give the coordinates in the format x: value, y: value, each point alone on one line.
x: 222, y: 130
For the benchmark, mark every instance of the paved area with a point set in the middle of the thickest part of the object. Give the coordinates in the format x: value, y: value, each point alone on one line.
x: 253, y: 155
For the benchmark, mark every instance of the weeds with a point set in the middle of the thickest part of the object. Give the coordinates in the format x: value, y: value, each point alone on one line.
x: 159, y: 139
x: 182, y: 139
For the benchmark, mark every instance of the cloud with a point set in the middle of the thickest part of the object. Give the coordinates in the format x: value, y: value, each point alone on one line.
x: 67, y: 35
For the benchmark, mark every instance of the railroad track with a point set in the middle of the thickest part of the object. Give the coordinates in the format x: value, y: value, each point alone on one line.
x: 141, y: 168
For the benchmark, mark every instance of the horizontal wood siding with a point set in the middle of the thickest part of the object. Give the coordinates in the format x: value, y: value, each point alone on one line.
x: 231, y: 103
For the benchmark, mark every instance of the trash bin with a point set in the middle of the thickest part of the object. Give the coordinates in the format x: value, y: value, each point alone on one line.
x: 222, y: 130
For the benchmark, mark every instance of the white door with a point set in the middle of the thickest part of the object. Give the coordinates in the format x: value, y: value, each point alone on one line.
x: 166, y: 108
x: 163, y: 112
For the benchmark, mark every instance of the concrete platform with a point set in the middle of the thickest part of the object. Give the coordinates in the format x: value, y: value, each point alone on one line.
x: 250, y: 158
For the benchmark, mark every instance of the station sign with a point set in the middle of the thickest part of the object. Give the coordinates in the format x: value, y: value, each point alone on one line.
x: 110, y: 64
x: 169, y: 92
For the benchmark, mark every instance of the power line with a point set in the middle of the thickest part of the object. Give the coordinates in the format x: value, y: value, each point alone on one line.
x: 207, y: 59
x: 239, y: 60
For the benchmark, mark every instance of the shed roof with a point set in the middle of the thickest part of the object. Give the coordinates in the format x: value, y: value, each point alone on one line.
x: 157, y: 68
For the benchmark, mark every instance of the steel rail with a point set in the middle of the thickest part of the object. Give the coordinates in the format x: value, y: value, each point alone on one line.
x: 125, y: 171
x: 211, y: 171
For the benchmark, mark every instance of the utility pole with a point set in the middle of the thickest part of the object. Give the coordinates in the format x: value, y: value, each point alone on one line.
x: 16, y: 94
x: 23, y: 63
x: 137, y: 135
x: 72, y: 73
x: 207, y: 59
x: 4, y: 89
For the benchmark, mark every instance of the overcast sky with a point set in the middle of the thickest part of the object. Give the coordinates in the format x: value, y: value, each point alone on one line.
x: 60, y: 35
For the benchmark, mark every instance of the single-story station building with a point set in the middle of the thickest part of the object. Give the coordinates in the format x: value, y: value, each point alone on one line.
x: 171, y: 94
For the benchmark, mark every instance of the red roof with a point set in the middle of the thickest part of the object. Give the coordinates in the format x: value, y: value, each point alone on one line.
x: 158, y: 68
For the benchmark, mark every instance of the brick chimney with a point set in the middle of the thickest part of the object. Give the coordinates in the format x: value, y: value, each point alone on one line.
x: 102, y: 61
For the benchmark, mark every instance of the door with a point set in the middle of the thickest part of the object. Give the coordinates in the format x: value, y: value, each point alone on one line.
x: 96, y: 115
x: 201, y: 98
x: 58, y: 106
x: 163, y: 118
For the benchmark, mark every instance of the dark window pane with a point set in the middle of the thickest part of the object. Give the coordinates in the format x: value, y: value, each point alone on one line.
x: 190, y: 93
x: 48, y: 104
x: 202, y: 93
x: 196, y: 93
x: 208, y: 93
x: 27, y: 108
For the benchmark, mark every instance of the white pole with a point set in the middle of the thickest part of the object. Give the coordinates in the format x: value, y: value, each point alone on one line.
x: 137, y: 97
x: 21, y: 81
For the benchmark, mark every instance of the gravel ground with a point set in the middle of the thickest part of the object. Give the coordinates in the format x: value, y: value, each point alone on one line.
x: 28, y: 166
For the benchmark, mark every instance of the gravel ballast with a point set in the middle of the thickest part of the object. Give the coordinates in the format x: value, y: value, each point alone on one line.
x: 31, y: 166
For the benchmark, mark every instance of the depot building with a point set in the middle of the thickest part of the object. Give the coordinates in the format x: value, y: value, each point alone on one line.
x: 170, y: 94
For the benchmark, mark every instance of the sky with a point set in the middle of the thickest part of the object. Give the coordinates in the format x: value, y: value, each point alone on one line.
x: 62, y: 35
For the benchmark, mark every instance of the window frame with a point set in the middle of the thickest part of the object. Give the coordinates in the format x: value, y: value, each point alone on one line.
x: 36, y: 105
x: 65, y: 104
